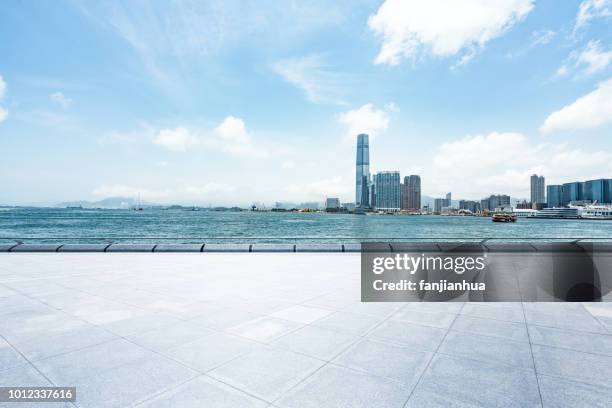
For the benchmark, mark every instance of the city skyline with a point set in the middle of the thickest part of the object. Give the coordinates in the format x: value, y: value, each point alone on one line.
x: 227, y: 103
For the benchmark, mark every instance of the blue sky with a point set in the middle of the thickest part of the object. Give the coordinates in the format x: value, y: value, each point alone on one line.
x: 227, y: 102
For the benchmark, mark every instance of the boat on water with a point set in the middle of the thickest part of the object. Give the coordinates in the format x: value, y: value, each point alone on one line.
x: 503, y: 218
x: 596, y: 212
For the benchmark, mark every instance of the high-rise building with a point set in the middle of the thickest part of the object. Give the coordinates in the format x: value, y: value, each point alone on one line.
x: 438, y: 205
x: 538, y: 187
x: 472, y: 206
x: 387, y: 187
x: 332, y: 203
x: 572, y: 192
x: 495, y: 201
x: 411, y: 193
x: 554, y: 196
x: 449, y: 201
x: 362, y: 182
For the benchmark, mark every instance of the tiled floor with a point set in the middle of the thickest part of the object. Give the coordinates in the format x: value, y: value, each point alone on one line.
x: 282, y: 330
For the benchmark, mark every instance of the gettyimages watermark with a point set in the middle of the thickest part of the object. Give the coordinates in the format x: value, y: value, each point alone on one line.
x: 427, y: 272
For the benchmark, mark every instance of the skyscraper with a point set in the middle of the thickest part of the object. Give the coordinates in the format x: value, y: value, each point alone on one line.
x: 411, y: 193
x: 362, y: 186
x: 387, y: 190
x: 449, y: 200
x: 554, y: 196
x: 538, y: 187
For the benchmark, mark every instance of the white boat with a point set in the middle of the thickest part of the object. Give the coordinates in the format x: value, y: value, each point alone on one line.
x: 596, y: 212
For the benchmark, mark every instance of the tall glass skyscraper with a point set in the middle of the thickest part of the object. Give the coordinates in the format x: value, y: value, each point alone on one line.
x: 362, y: 186
x: 554, y: 196
x: 538, y: 187
x: 388, y: 195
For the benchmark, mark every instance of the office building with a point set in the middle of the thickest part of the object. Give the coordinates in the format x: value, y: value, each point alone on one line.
x: 449, y: 201
x: 411, y: 193
x: 554, y: 196
x: 495, y: 201
x: 332, y: 204
x: 362, y: 182
x: 387, y: 191
x: 439, y: 203
x: 571, y: 192
x: 538, y: 187
x: 469, y: 205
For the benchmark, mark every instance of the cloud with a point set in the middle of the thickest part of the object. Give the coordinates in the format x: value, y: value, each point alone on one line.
x: 589, y: 111
x: 593, y: 58
x: 178, y: 139
x: 312, y: 74
x: 60, y: 99
x: 442, y: 28
x: 592, y: 9
x: 288, y: 164
x: 210, y: 191
x: 366, y: 119
x: 230, y: 137
x: 3, y: 112
x: 486, y: 169
x: 537, y: 38
x: 2, y: 87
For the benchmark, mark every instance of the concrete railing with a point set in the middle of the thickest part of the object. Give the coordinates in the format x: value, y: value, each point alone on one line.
x: 298, y: 248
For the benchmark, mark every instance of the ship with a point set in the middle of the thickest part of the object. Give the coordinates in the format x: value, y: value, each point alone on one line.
x: 596, y: 212
x: 503, y: 218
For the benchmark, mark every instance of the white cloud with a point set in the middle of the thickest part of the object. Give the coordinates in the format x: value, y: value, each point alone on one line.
x: 2, y: 87
x: 3, y: 112
x: 366, y: 119
x: 178, y: 139
x: 311, y: 74
x: 593, y: 58
x: 232, y: 137
x: 442, y: 28
x: 60, y: 99
x: 485, y: 168
x: 589, y: 111
x: 592, y: 9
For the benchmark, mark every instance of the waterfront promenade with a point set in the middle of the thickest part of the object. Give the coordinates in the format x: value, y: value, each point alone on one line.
x: 282, y: 330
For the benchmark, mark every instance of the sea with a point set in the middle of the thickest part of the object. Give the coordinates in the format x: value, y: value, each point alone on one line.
x: 75, y: 225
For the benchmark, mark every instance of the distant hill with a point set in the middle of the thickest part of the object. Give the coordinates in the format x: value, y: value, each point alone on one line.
x: 108, y: 203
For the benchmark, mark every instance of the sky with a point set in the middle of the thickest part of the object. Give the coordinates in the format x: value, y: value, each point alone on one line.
x: 233, y: 102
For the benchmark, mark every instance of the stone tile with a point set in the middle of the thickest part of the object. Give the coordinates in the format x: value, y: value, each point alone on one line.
x: 139, y: 323
x: 563, y: 319
x: 211, y: 351
x: 433, y: 319
x: 266, y: 373
x: 204, y: 392
x: 301, y: 314
x: 316, y: 342
x: 494, y: 350
x: 348, y: 323
x: 444, y: 307
x: 379, y: 310
x: 334, y: 386
x: 573, y: 365
x: 417, y: 337
x: 489, y: 327
x: 222, y: 318
x: 26, y: 376
x: 560, y: 393
x: 67, y: 368
x: 131, y: 383
x: 385, y: 360
x: 9, y: 357
x: 575, y: 340
x: 264, y: 329
x: 170, y: 336
x: 511, y: 312
x: 49, y: 346
x: 450, y: 381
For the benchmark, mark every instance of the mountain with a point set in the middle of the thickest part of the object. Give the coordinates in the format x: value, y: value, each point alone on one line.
x: 107, y: 203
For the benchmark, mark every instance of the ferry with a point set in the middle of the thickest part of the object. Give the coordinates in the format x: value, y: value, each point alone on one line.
x: 596, y: 212
x: 503, y: 218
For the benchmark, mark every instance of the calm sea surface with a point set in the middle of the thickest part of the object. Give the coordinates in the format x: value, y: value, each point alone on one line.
x: 80, y: 225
